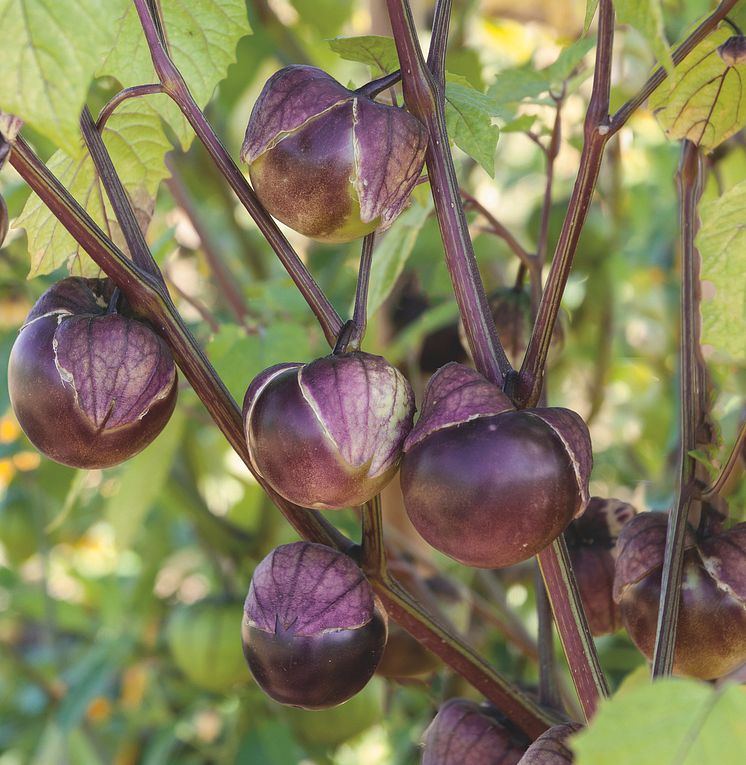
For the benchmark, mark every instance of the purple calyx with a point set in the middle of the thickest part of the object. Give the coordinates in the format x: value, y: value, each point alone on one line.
x: 454, y: 395
x: 308, y: 589
x: 363, y: 403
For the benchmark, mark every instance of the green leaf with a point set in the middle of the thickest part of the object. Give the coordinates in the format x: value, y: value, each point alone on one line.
x: 567, y: 61
x: 469, y: 116
x: 721, y: 241
x: 374, y: 50
x: 239, y: 357
x: 135, y: 138
x: 704, y: 99
x: 646, y: 16
x: 392, y: 253
x: 51, y: 49
x: 140, y: 481
x: 674, y: 721
x: 590, y: 12
x: 202, y: 37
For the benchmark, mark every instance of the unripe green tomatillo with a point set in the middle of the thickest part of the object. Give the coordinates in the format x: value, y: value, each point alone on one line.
x: 328, y: 434
x: 329, y: 162
x: 313, y: 631
x: 486, y: 484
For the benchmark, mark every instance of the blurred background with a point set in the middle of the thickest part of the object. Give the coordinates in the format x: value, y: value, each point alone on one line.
x: 121, y: 590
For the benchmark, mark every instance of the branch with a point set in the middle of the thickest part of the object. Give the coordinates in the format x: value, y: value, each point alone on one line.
x: 174, y: 85
x: 660, y: 74
x: 424, y: 98
x: 690, y: 190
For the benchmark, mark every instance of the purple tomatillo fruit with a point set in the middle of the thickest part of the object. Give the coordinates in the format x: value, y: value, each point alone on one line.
x: 486, y: 484
x: 551, y: 747
x: 329, y: 162
x: 711, y: 633
x: 89, y: 386
x: 328, y: 434
x: 591, y: 543
x: 466, y: 733
x: 313, y: 630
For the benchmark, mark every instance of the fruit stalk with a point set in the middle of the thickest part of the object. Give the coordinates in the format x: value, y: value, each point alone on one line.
x: 425, y: 98
x: 690, y: 190
x: 360, y: 312
x: 174, y: 85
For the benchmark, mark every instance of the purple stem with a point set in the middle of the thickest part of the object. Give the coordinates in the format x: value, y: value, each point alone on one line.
x: 174, y: 85
x: 690, y: 191
x: 424, y: 97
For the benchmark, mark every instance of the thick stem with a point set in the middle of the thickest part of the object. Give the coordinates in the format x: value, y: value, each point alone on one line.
x: 424, y: 97
x: 373, y: 551
x: 690, y: 190
x: 548, y: 687
x: 660, y: 74
x: 125, y: 215
x: 360, y: 312
x: 177, y: 89
x: 436, y: 56
x: 528, y: 383
x: 572, y: 626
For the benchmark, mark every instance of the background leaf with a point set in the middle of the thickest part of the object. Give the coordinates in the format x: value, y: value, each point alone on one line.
x: 393, y: 251
x: 675, y: 722
x: 376, y: 51
x: 646, y: 16
x: 722, y: 245
x: 50, y: 50
x: 135, y: 139
x: 202, y: 38
x: 704, y: 101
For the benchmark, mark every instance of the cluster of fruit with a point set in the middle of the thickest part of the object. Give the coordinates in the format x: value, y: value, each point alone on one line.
x: 486, y: 484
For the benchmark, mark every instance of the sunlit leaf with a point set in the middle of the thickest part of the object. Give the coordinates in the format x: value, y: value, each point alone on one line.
x: 392, y: 253
x: 646, y: 16
x: 134, y: 136
x: 239, y: 356
x: 50, y: 51
x: 469, y: 116
x: 675, y: 722
x: 704, y: 101
x: 202, y: 37
x: 722, y: 245
x: 376, y: 51
x: 590, y: 12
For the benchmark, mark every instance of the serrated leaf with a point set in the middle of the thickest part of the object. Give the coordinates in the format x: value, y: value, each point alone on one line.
x: 202, y: 37
x: 646, y: 16
x: 721, y: 241
x: 392, y: 253
x: 469, y: 116
x: 590, y: 12
x: 674, y: 721
x: 134, y: 136
x: 51, y: 49
x: 704, y: 100
x: 376, y: 51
